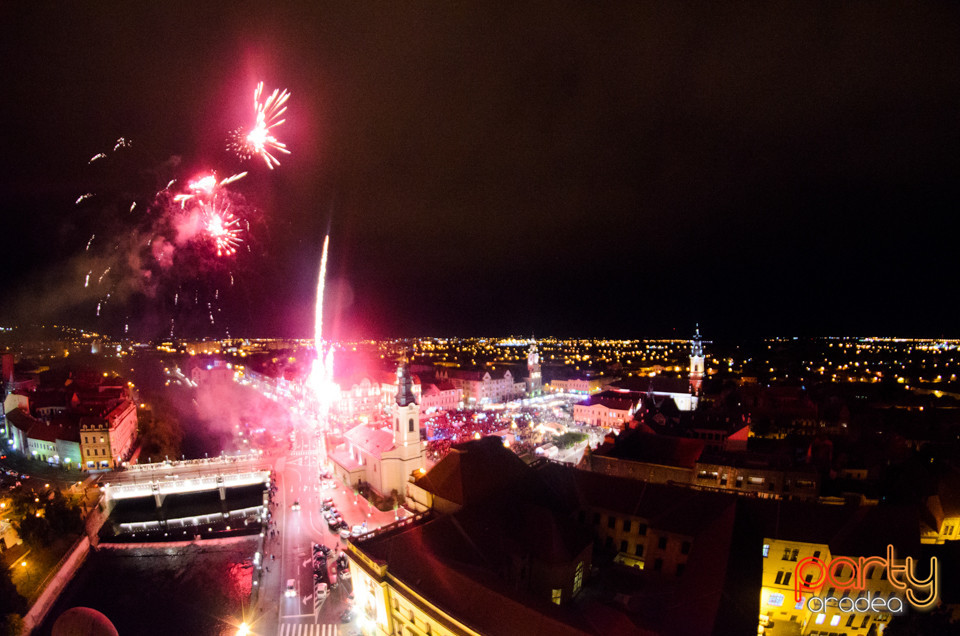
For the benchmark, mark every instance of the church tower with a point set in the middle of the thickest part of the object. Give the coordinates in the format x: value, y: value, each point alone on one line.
x: 406, y: 423
x: 534, y: 379
x: 696, y: 363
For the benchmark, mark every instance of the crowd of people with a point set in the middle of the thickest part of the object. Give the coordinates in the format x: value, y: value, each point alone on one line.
x: 520, y: 428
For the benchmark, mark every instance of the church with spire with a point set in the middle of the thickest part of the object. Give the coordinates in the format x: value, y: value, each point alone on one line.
x: 383, y: 458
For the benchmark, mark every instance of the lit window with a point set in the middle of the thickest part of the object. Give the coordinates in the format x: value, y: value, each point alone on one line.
x: 821, y: 618
x: 556, y: 596
x: 835, y: 620
x: 766, y: 550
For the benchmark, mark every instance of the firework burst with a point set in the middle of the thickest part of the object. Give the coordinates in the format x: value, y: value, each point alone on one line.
x: 260, y: 140
x: 222, y: 227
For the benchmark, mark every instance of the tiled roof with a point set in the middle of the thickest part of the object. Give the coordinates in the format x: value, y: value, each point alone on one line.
x: 371, y: 440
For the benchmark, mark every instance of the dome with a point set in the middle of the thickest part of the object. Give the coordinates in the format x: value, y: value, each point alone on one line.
x: 83, y: 621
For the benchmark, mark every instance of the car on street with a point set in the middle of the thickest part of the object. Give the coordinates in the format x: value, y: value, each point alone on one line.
x: 347, y: 616
x: 344, y: 534
x: 295, y: 505
x: 321, y: 591
x: 333, y: 523
x: 357, y: 531
x: 291, y: 588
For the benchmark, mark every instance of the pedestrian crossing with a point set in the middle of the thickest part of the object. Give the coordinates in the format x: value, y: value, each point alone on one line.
x: 308, y: 629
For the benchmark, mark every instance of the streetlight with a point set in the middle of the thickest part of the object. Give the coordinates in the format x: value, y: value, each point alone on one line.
x: 243, y: 629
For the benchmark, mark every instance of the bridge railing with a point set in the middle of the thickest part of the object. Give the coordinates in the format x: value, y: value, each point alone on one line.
x: 205, y: 461
x: 192, y: 484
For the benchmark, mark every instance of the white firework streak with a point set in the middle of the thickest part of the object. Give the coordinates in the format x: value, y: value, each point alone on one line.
x: 83, y: 197
x: 92, y: 236
x: 97, y: 156
x: 230, y: 180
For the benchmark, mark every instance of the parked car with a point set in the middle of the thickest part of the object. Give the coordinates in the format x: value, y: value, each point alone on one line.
x: 344, y: 534
x: 321, y: 591
x: 357, y: 531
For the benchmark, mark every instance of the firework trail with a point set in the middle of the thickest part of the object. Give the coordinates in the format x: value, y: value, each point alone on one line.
x: 122, y: 142
x: 260, y: 140
x: 86, y: 282
x: 83, y: 197
x: 320, y: 379
x: 92, y: 236
x: 97, y: 156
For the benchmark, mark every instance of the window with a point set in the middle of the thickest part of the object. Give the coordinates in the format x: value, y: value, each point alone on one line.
x: 770, y: 486
x: 866, y: 619
x: 578, y: 578
x: 685, y: 547
x: 611, y: 522
x: 816, y: 555
x: 662, y: 543
x: 623, y: 545
x: 835, y: 620
x: 556, y: 595
x: 850, y: 620
x: 658, y: 565
x: 793, y: 555
x: 783, y: 578
x: 723, y: 479
x: 680, y: 567
x: 786, y: 554
x: 638, y: 550
x: 410, y: 429
x: 821, y: 618
x: 766, y: 550
x: 626, y: 525
x: 642, y: 529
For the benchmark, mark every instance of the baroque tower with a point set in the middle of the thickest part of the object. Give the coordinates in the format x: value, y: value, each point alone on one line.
x: 406, y: 424
x: 534, y: 379
x: 696, y: 363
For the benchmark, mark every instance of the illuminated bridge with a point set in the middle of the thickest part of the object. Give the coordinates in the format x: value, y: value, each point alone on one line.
x: 184, y: 495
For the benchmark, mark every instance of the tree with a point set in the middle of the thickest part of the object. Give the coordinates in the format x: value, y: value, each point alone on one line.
x: 35, y: 531
x: 12, y: 605
x: 160, y: 432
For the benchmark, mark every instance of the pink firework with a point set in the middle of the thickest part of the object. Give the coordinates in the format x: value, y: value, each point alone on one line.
x: 222, y: 227
x: 260, y: 140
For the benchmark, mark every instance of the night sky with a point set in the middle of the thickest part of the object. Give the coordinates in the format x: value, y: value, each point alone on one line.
x: 554, y: 168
